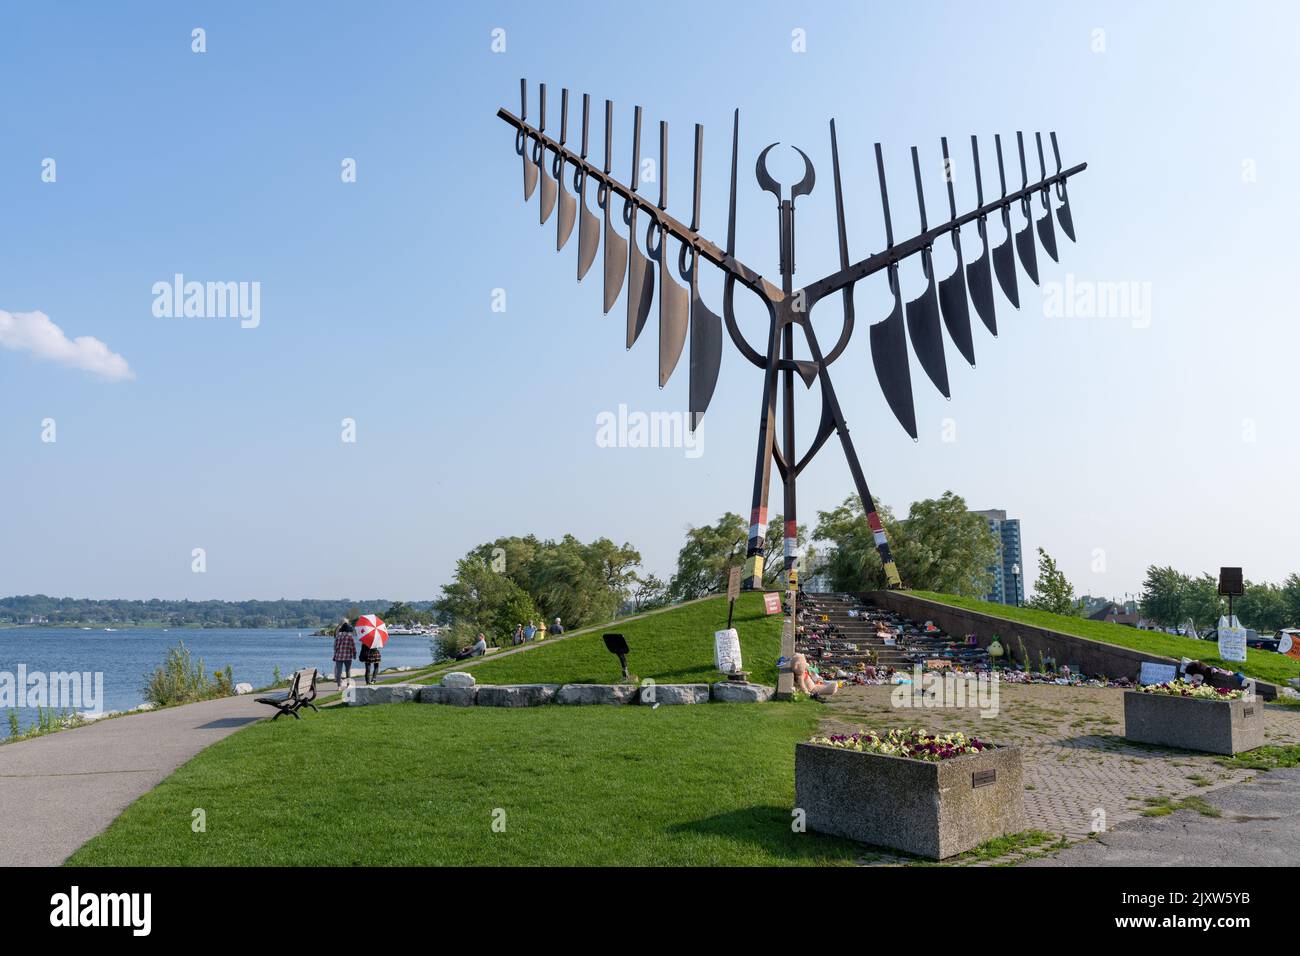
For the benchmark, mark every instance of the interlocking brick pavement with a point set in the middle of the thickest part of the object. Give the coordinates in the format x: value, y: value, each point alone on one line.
x: 1080, y: 773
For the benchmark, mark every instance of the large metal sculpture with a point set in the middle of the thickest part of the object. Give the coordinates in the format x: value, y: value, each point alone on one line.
x: 682, y: 311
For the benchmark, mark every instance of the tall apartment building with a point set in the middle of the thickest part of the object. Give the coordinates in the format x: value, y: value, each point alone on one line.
x: 1009, y: 565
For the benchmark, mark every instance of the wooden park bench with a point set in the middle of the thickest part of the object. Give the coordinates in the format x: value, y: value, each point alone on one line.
x: 302, y: 691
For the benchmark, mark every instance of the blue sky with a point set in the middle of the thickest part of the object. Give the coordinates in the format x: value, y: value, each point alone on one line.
x: 1118, y: 441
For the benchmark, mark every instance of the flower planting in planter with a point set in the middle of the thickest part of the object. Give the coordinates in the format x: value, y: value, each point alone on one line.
x: 1194, y: 717
x: 931, y: 795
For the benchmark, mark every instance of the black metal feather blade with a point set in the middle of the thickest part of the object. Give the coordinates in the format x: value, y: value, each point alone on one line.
x: 927, y: 336
x: 956, y: 311
x: 705, y: 357
x: 889, y: 356
x: 979, y: 279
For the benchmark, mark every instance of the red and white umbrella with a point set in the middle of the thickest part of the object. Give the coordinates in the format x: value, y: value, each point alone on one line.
x: 372, y: 631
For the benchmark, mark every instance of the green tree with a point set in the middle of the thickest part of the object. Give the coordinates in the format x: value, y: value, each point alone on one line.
x: 1052, y: 590
x: 1202, y: 604
x: 1164, y: 595
x: 1291, y: 598
x: 649, y: 591
x: 706, y: 557
x: 940, y: 546
x: 1262, y: 606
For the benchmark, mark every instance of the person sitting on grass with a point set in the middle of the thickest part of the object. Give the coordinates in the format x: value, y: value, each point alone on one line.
x: 345, y: 651
x: 805, y: 681
x: 477, y: 649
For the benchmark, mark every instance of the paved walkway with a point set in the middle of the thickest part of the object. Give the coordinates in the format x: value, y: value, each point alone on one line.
x: 1080, y: 772
x: 1256, y: 823
x: 59, y: 790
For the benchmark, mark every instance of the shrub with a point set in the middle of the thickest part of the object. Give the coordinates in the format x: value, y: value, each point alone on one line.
x: 179, y: 680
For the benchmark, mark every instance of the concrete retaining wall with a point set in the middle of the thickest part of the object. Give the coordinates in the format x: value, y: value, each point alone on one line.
x: 535, y: 695
x: 1094, y: 658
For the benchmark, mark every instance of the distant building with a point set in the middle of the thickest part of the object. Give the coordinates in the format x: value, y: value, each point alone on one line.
x: 814, y: 569
x: 1113, y: 612
x: 1008, y: 567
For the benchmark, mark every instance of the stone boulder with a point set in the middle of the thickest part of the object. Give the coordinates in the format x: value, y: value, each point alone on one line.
x: 364, y: 694
x: 673, y: 694
x: 741, y: 692
x: 595, y: 693
x: 458, y: 679
x: 243, y: 688
x: 516, y: 695
x: 453, y: 696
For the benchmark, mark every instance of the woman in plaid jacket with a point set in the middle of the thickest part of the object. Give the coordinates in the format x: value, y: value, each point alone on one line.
x: 345, y: 651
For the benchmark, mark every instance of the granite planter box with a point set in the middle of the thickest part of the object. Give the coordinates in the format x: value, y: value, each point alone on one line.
x: 934, y: 809
x: 1211, y: 726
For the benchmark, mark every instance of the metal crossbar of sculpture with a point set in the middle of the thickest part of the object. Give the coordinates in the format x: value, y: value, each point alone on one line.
x: 682, y: 311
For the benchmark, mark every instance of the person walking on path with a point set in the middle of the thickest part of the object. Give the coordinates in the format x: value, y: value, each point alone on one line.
x: 558, y: 629
x: 529, y: 631
x: 345, y: 651
x: 541, y: 630
x: 519, y: 635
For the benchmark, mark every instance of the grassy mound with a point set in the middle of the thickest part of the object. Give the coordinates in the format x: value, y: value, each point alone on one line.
x: 1264, y: 665
x: 673, y: 646
x: 420, y: 785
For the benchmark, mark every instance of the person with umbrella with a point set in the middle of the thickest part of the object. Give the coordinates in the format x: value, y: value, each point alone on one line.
x: 345, y: 651
x: 374, y: 635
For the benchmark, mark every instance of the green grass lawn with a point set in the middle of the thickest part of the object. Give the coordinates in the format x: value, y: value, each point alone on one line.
x: 422, y: 785
x: 674, y: 646
x: 1264, y: 665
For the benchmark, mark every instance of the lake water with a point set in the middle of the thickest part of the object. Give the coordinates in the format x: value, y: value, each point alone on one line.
x: 125, y: 656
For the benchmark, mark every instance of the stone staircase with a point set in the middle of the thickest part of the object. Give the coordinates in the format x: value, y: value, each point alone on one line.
x: 852, y: 632
x: 854, y: 639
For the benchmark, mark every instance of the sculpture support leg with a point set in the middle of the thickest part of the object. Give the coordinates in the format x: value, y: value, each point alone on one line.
x: 753, y: 573
x: 892, y: 579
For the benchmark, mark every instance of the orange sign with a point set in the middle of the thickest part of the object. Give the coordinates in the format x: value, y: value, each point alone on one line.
x: 771, y: 602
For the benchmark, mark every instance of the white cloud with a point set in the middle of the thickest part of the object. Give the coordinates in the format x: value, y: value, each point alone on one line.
x: 34, y: 332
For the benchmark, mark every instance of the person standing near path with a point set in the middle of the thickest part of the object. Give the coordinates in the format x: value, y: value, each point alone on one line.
x: 370, y: 658
x: 345, y: 651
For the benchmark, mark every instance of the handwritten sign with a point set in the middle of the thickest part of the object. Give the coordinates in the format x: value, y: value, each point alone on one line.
x: 1232, y: 640
x: 1153, y: 673
x: 1288, y: 643
x: 771, y: 602
x: 726, y: 651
